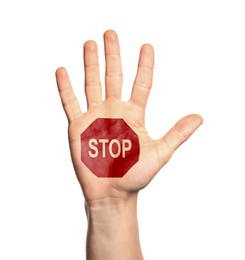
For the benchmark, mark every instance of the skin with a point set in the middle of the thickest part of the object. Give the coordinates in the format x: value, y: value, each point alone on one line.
x: 111, y: 203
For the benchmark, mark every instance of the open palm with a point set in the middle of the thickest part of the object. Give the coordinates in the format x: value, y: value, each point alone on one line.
x: 153, y: 153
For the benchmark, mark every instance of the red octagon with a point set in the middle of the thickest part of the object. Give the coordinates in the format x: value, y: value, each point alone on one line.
x: 109, y: 147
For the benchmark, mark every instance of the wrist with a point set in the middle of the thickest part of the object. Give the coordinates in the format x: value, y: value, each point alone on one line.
x: 109, y: 210
x: 113, y: 223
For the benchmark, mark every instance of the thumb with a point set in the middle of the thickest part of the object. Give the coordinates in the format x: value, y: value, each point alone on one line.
x: 177, y: 135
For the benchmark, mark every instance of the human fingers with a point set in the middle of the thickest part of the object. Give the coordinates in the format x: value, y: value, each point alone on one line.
x: 67, y: 96
x: 143, y: 81
x: 176, y: 136
x: 93, y: 88
x: 113, y: 76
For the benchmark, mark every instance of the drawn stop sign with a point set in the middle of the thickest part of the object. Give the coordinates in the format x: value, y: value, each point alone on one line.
x: 109, y: 147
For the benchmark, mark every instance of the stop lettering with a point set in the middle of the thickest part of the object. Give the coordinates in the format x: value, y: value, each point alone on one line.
x: 121, y: 148
x: 109, y: 147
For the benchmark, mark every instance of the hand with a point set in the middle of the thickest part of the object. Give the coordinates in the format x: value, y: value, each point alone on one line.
x: 111, y: 203
x: 154, y: 154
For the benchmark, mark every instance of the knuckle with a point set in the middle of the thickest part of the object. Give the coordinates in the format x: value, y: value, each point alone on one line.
x: 142, y: 84
x: 92, y: 84
x: 113, y: 74
x: 181, y: 133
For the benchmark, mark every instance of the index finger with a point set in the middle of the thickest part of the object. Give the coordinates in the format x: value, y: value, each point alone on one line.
x: 143, y: 81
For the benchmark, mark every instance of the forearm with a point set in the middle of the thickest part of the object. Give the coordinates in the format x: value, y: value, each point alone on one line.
x: 113, y: 230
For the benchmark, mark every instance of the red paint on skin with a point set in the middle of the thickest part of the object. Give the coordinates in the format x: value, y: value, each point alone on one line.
x: 109, y: 147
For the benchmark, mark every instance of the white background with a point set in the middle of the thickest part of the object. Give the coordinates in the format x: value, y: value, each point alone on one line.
x: 194, y: 208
